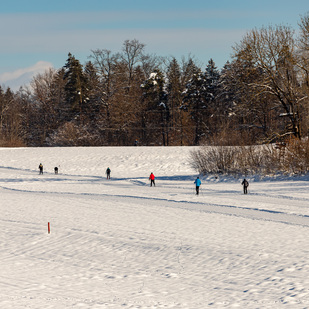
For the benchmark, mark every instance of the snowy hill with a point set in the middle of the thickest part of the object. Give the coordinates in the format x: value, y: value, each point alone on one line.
x: 120, y: 243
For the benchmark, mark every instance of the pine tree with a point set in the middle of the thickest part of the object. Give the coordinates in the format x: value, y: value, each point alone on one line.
x: 212, y: 77
x: 75, y: 87
x: 157, y: 109
x: 10, y: 119
x: 194, y: 103
x: 174, y: 100
x: 210, y: 93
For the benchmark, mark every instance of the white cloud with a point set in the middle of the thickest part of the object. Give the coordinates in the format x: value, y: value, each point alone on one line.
x: 22, y: 77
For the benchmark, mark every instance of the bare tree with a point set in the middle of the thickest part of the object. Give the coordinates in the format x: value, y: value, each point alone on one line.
x: 272, y: 51
x: 303, y: 61
x: 46, y: 102
x: 132, y: 52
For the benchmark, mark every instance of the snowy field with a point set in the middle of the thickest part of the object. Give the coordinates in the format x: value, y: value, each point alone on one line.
x: 120, y: 243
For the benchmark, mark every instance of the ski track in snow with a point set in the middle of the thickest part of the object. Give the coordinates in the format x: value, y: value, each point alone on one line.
x: 248, y: 212
x: 122, y: 244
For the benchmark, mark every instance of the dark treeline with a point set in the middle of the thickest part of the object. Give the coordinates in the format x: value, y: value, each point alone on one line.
x: 260, y: 96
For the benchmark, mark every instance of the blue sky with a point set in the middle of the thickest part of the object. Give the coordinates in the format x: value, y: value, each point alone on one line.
x: 38, y: 34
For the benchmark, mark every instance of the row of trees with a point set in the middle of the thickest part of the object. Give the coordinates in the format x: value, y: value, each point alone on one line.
x: 261, y: 95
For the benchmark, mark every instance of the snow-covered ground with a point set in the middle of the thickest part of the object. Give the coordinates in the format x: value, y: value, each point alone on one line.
x: 120, y: 243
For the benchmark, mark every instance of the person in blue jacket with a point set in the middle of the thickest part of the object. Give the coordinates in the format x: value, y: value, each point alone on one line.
x: 197, y: 185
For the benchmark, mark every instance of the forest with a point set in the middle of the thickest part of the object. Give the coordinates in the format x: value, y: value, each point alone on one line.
x: 132, y: 97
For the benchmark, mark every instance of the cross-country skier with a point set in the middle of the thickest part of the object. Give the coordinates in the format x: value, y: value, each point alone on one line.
x: 197, y: 185
x: 108, y: 173
x: 152, y: 179
x: 41, y: 168
x: 245, y: 183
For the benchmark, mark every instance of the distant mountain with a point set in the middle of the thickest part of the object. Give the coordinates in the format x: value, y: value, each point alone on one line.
x: 23, y: 77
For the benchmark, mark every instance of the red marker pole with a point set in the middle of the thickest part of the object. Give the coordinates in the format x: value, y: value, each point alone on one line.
x: 48, y: 228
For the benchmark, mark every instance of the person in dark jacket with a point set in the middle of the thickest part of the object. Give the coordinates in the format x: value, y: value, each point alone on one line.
x: 152, y: 179
x: 108, y: 173
x: 197, y: 185
x: 245, y: 184
x: 41, y: 168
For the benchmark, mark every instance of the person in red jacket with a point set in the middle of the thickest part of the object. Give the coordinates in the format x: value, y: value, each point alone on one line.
x: 152, y: 179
